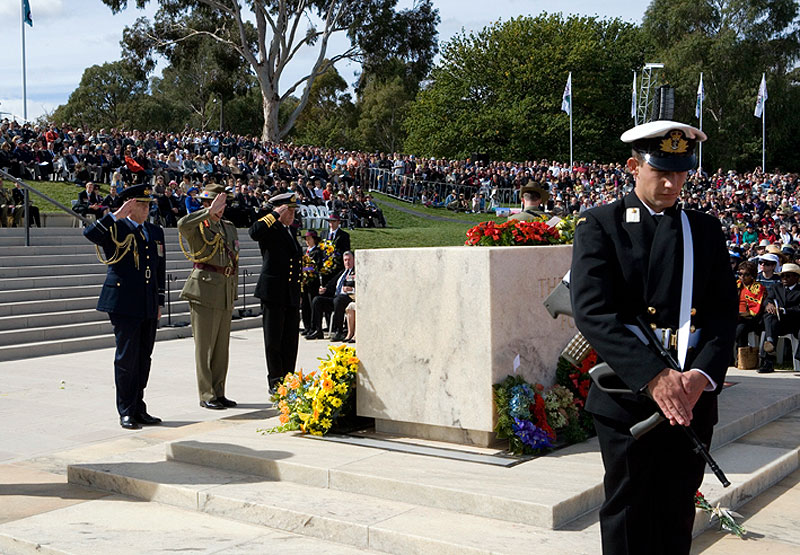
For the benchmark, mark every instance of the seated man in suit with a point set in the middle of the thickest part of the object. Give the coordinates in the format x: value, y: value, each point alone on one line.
x: 782, y: 313
x: 89, y: 202
x: 335, y: 295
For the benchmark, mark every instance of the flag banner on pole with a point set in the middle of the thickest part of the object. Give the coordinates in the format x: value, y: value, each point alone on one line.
x: 566, y: 99
x: 26, y: 13
x: 762, y: 97
x: 633, y: 97
x: 701, y: 96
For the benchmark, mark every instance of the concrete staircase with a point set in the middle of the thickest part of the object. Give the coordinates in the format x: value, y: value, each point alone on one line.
x: 398, y: 502
x: 48, y: 292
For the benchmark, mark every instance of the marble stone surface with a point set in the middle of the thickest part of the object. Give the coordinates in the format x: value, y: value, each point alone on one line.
x: 437, y: 327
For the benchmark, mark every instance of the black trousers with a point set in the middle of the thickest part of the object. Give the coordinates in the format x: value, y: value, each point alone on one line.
x: 135, y: 338
x: 649, y: 487
x: 281, y: 324
x: 306, y: 301
x: 774, y: 328
x: 744, y: 326
x: 323, y: 304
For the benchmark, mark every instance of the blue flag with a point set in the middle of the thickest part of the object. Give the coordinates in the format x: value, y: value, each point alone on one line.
x: 26, y: 13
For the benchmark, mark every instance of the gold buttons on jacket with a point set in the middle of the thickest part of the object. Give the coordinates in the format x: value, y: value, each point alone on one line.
x: 651, y: 309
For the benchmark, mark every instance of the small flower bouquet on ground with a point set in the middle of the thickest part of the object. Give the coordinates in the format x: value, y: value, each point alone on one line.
x: 726, y: 517
x: 522, y: 416
x: 312, y: 402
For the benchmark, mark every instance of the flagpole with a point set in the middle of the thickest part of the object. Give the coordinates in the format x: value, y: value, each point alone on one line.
x: 763, y: 139
x: 700, y: 145
x: 571, y: 108
x: 24, y: 82
x: 635, y: 102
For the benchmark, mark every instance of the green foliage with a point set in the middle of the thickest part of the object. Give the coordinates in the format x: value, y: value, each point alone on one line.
x: 329, y: 116
x: 499, y: 90
x: 732, y: 42
x: 105, y: 96
x: 384, y: 105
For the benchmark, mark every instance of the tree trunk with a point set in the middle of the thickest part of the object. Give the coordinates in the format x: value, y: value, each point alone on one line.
x: 271, y: 105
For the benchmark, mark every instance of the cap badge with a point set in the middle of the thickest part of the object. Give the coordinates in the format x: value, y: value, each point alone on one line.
x: 675, y: 144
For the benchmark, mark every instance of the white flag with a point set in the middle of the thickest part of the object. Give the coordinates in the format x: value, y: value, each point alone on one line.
x: 762, y: 97
x: 701, y: 96
x: 633, y: 97
x: 516, y: 364
x: 566, y: 99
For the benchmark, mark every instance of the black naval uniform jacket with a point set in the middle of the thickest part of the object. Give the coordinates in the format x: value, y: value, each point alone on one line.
x: 281, y: 269
x: 621, y: 269
x: 127, y: 290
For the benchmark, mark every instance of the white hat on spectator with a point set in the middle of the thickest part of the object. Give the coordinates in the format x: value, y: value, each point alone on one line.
x: 769, y: 258
x: 764, y: 243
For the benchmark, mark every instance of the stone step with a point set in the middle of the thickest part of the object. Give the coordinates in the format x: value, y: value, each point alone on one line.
x: 515, y: 493
x: 105, y: 338
x: 96, y: 267
x: 29, y: 266
x: 357, y: 520
x: 55, y: 277
x: 8, y: 255
x: 26, y: 306
x: 370, y: 519
x: 122, y: 526
x: 83, y: 310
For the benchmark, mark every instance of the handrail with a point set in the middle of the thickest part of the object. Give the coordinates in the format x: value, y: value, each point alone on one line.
x: 27, y: 188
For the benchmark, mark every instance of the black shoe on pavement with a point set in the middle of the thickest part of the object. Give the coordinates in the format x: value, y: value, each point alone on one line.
x: 338, y: 337
x: 147, y: 420
x: 212, y: 404
x: 315, y: 335
x: 225, y: 402
x: 129, y: 423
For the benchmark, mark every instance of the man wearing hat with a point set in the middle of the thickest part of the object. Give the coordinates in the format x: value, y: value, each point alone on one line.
x: 211, y: 290
x: 629, y: 270
x: 782, y: 312
x: 278, y: 286
x: 768, y: 266
x: 133, y: 294
x: 336, y: 235
x: 533, y: 197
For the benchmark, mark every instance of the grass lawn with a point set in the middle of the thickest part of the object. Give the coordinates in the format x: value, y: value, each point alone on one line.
x: 404, y: 229
x: 61, y: 191
x: 414, y: 230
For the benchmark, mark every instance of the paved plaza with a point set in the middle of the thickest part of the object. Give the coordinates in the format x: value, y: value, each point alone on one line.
x: 59, y: 410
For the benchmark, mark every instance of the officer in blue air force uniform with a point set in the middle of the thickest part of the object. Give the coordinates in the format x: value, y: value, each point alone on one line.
x: 133, y: 294
x: 628, y: 263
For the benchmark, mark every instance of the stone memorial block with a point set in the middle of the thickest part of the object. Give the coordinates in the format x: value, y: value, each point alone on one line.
x: 437, y: 327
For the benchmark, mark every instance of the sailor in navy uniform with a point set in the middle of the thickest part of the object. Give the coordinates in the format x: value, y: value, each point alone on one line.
x: 133, y: 294
x: 278, y: 286
x: 628, y: 262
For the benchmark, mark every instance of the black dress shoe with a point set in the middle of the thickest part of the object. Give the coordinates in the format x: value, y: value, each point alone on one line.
x: 315, y: 335
x: 212, y: 404
x: 147, y: 420
x: 304, y: 333
x: 225, y: 402
x: 338, y: 337
x: 765, y: 370
x: 129, y: 423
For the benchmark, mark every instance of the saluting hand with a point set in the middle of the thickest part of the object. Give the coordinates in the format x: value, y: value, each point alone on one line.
x: 217, y: 206
x: 125, y: 210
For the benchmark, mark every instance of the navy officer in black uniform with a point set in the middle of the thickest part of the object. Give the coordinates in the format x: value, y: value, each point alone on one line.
x: 628, y: 262
x: 278, y: 286
x: 133, y: 295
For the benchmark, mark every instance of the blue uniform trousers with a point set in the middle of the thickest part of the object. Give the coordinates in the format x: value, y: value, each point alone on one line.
x: 135, y: 339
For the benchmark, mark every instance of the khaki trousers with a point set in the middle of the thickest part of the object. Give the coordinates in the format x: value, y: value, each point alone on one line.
x: 212, y: 333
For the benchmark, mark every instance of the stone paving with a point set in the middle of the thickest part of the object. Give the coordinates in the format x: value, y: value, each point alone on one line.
x: 59, y: 410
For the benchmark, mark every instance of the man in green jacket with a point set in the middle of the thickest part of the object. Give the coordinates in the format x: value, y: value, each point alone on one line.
x: 211, y: 290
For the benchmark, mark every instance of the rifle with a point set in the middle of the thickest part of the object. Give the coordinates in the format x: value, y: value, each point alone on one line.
x: 607, y: 380
x: 604, y: 377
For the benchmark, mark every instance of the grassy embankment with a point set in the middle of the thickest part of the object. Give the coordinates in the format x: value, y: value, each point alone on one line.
x: 404, y: 229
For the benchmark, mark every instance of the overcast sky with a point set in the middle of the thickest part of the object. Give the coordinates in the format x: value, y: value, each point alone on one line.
x: 71, y: 35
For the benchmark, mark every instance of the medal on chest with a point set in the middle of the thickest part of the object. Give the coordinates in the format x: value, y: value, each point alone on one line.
x: 633, y: 216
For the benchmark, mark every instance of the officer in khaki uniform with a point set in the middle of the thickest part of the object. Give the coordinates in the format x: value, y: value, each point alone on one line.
x: 533, y: 197
x: 211, y: 290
